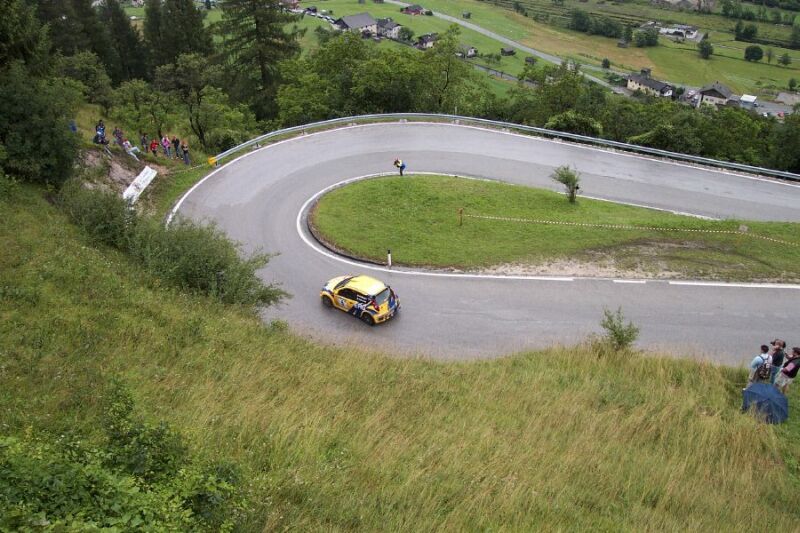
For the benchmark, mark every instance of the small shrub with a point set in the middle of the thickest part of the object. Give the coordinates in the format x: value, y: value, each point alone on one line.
x: 201, y: 258
x: 105, y: 217
x: 570, y: 179
x: 619, y: 335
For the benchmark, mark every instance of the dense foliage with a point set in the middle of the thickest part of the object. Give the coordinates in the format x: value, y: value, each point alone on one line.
x: 184, y: 255
x: 141, y: 476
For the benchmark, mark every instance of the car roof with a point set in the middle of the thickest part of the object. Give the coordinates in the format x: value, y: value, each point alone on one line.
x: 366, y: 285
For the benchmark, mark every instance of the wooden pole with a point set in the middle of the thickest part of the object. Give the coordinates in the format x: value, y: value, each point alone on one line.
x: 460, y: 216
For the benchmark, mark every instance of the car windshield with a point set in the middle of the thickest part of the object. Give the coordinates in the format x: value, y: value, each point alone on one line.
x: 382, y: 296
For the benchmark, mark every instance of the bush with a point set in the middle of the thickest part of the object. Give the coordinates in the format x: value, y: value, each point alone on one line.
x: 140, y: 478
x: 753, y: 53
x: 570, y: 179
x: 619, y: 335
x: 105, y: 217
x: 34, y: 126
x: 201, y: 258
x: 185, y: 255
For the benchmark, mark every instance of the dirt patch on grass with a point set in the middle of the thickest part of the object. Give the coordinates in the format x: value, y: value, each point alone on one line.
x: 644, y: 260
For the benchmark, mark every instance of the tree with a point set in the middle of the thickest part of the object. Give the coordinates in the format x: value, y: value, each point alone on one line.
x: 75, y: 26
x: 85, y: 67
x: 753, y: 53
x: 648, y: 37
x: 792, y: 84
x: 570, y: 179
x: 34, y: 126
x: 172, y: 28
x: 627, y: 34
x: 143, y: 107
x: 126, y: 41
x: 745, y: 32
x: 606, y: 63
x: 785, y: 60
x: 254, y: 41
x: 794, y: 39
x: 705, y: 49
x: 23, y: 38
x: 215, y: 122
x: 770, y: 53
x: 573, y: 122
x: 406, y: 34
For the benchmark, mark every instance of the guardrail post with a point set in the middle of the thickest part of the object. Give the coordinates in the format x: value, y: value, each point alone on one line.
x: 389, y: 258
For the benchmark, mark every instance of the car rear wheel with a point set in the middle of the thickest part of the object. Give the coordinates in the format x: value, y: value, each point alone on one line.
x: 327, y: 302
x: 367, y: 319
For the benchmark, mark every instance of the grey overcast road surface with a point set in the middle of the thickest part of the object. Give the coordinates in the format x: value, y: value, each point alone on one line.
x: 257, y: 200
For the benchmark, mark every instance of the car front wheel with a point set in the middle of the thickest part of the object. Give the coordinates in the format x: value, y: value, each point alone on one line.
x: 367, y: 319
x: 327, y: 302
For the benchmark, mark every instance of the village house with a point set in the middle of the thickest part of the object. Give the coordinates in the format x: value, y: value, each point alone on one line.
x: 715, y: 94
x: 507, y: 51
x: 644, y: 83
x: 427, y: 40
x: 414, y: 9
x: 388, y: 28
x: 465, y: 51
x: 360, y: 23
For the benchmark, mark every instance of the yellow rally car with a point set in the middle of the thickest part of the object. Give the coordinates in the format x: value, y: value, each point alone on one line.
x: 361, y: 296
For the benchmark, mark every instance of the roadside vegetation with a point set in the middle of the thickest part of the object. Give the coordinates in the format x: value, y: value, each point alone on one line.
x: 417, y: 217
x: 307, y: 436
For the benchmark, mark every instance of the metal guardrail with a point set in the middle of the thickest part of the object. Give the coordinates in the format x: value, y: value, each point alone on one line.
x: 583, y: 139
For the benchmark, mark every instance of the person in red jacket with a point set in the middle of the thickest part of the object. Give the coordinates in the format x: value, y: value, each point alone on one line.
x: 154, y: 147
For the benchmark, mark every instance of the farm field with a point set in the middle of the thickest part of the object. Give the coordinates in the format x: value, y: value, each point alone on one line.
x: 675, y: 62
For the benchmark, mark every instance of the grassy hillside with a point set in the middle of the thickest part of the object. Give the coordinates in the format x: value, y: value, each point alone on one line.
x: 336, y: 438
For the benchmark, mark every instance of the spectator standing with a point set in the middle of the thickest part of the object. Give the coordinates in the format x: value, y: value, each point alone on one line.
x: 154, y: 147
x: 761, y: 367
x: 167, y: 146
x: 185, y: 149
x: 778, y: 355
x: 100, y: 129
x: 789, y: 371
x: 144, y: 141
x: 176, y: 145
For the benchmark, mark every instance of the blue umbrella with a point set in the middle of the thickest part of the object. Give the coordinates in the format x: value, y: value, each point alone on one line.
x: 767, y: 401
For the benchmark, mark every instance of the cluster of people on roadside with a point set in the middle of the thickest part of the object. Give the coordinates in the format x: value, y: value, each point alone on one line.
x: 172, y: 148
x: 773, y: 365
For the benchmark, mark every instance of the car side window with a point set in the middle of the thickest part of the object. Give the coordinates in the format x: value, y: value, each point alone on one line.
x: 350, y: 294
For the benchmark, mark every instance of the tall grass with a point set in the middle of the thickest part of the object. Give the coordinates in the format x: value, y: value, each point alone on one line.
x: 338, y: 438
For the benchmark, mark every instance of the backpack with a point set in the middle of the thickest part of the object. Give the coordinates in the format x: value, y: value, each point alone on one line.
x: 764, y: 370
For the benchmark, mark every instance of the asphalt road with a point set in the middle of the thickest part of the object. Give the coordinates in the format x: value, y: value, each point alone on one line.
x: 257, y: 200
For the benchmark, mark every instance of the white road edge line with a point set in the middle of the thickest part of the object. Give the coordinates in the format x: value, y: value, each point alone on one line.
x: 638, y: 281
x: 736, y: 285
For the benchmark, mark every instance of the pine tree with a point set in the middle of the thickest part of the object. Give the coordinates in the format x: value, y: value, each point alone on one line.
x: 153, y: 32
x: 255, y: 40
x: 172, y: 28
x: 183, y: 29
x: 74, y: 26
x: 126, y: 41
